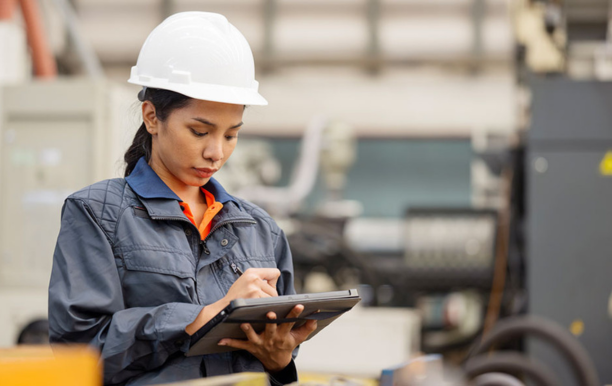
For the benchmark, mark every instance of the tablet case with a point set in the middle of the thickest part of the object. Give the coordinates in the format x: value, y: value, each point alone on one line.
x: 324, y: 307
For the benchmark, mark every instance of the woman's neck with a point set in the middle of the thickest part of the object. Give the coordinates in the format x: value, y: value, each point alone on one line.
x: 187, y: 193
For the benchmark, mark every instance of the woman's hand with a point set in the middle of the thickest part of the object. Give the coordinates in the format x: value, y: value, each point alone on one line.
x: 253, y: 283
x: 275, y: 345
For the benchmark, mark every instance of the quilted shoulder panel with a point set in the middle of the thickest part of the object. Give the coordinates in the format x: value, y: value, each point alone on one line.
x: 106, y: 200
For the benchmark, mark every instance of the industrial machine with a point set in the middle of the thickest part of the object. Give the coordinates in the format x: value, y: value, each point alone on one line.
x: 569, y: 185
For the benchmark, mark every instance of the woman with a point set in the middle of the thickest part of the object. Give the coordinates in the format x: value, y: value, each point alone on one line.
x: 143, y: 262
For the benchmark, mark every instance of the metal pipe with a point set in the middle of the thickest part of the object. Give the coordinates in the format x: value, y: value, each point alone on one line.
x: 85, y: 51
x: 7, y: 8
x: 42, y: 58
x: 286, y: 199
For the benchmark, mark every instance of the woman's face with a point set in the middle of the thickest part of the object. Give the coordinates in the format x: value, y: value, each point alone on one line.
x: 193, y: 142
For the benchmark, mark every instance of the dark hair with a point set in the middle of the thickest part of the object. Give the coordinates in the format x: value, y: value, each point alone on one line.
x: 165, y: 102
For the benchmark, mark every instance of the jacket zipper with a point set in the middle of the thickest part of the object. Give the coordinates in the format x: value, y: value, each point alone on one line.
x: 236, y: 270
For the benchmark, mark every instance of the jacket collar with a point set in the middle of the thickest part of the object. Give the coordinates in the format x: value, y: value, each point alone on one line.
x: 161, y: 201
x: 147, y: 184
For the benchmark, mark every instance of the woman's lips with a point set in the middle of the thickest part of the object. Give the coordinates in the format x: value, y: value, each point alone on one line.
x: 205, y: 172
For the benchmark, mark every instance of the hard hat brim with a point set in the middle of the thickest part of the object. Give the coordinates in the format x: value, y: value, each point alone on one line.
x: 208, y: 92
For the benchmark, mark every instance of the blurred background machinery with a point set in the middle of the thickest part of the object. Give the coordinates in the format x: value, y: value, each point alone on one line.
x: 448, y: 157
x: 391, y: 93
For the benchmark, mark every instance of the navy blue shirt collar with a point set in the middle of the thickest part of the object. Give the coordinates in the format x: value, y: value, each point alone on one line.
x: 146, y: 183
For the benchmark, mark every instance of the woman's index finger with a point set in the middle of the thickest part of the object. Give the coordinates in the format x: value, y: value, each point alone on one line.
x: 269, y: 275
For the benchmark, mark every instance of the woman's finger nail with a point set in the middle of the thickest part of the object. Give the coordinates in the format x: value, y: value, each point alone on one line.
x: 222, y: 343
x: 245, y: 326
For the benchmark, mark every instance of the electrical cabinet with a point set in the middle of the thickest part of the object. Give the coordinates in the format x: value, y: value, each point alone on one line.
x: 569, y: 206
x: 55, y: 138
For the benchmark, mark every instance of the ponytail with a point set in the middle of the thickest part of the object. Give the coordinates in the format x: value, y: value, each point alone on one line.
x: 141, y: 146
x: 165, y: 102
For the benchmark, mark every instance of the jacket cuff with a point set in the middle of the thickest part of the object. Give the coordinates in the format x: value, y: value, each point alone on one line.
x: 285, y: 376
x: 172, y: 329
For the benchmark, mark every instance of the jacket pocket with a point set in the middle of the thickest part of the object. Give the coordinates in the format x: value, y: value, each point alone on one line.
x: 153, y: 277
x: 228, y: 269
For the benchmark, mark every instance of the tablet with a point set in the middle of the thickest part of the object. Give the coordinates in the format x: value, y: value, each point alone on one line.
x: 324, y: 307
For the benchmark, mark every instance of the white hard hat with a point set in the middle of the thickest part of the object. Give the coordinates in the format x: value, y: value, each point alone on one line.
x: 201, y: 55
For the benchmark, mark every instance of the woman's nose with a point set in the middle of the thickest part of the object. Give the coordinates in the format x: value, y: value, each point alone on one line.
x: 214, y: 149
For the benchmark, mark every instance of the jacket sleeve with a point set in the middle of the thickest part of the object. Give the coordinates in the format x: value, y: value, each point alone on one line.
x: 284, y: 262
x: 86, y: 303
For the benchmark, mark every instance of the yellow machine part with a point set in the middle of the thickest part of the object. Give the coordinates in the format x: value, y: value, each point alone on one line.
x: 40, y: 365
x: 241, y: 379
x: 329, y: 379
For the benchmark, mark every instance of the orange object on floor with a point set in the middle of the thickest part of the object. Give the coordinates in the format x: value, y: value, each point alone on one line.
x: 40, y: 365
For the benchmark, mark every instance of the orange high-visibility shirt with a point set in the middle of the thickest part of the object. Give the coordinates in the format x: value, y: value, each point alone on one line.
x: 213, y: 208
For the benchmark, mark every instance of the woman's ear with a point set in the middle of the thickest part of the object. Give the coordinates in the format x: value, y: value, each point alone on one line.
x: 149, y: 117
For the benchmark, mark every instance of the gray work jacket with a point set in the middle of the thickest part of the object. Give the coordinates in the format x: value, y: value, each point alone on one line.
x: 130, y: 272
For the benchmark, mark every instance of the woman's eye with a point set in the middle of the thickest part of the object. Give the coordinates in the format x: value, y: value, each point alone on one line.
x: 230, y: 137
x: 197, y: 133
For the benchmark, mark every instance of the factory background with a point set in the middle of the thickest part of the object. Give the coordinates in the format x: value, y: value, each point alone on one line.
x: 450, y: 159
